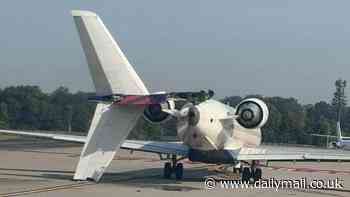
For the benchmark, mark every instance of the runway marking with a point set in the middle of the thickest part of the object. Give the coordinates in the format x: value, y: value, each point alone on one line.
x: 306, y: 169
x: 81, y: 184
x: 276, y: 168
x: 47, y: 189
x: 221, y: 169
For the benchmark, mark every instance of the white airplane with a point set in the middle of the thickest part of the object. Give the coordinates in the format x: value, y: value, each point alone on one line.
x: 341, y: 142
x: 210, y: 131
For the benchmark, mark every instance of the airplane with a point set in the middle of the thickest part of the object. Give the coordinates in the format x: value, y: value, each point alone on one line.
x: 340, y: 143
x: 209, y: 131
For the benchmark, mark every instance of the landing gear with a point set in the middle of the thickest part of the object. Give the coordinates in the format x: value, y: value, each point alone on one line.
x: 246, y: 175
x: 237, y: 168
x: 179, y: 171
x: 253, y: 172
x: 257, y: 174
x: 173, y: 167
x: 256, y: 171
x: 167, y: 170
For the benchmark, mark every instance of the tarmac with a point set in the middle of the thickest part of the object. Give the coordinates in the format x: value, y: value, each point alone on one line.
x: 38, y: 167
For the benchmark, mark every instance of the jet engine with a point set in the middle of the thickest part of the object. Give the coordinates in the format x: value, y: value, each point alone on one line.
x: 154, y: 113
x: 252, y: 113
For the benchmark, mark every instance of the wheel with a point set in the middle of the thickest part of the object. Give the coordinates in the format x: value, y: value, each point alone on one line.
x: 257, y: 174
x: 179, y: 171
x: 235, y: 170
x: 246, y: 174
x: 167, y: 170
x: 238, y: 170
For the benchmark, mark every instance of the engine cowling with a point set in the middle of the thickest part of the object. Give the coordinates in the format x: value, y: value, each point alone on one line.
x: 252, y: 113
x: 154, y: 113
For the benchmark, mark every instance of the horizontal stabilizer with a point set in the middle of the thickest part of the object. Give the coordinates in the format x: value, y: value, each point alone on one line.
x: 132, y: 99
x: 149, y: 99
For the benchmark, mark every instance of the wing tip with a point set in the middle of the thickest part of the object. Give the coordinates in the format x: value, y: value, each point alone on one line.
x: 82, y: 13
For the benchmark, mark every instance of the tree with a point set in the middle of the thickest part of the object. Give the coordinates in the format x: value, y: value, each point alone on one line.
x: 68, y: 114
x: 272, y: 127
x: 27, y: 107
x: 23, y: 106
x: 232, y: 100
x: 152, y: 131
x: 287, y: 122
x: 3, y: 116
x: 339, y: 99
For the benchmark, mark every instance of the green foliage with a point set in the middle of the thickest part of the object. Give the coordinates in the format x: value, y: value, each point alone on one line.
x: 291, y: 122
x: 231, y: 100
x: 287, y: 117
x: 151, y: 131
x: 145, y: 131
x: 339, y: 99
x: 27, y: 107
x: 3, y: 116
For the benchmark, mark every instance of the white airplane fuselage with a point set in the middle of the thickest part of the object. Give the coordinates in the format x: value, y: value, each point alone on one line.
x: 214, y: 131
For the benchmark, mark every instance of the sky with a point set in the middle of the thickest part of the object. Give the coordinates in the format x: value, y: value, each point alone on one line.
x: 288, y: 48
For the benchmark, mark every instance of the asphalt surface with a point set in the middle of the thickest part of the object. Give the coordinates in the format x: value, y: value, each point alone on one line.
x: 37, y: 167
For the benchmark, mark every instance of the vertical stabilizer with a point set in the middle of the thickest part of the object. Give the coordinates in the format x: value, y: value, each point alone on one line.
x: 339, y: 136
x: 111, y: 74
x: 110, y: 70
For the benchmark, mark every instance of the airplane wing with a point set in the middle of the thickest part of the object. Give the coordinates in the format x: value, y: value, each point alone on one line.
x: 135, y: 145
x: 330, y: 136
x: 321, y: 135
x: 176, y: 148
x: 286, y: 153
x: 62, y: 137
x: 267, y: 153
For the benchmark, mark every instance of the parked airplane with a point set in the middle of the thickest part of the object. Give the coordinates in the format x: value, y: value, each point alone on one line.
x: 210, y: 131
x: 341, y: 142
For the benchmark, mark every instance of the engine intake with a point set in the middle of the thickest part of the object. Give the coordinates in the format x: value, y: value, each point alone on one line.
x: 252, y: 113
x: 154, y: 113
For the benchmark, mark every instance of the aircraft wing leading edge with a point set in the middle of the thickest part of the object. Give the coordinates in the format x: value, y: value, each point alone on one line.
x: 173, y: 148
x: 263, y: 153
x: 292, y: 153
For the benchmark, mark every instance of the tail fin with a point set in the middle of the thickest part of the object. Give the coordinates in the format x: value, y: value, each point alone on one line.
x: 110, y: 70
x: 111, y: 74
x: 339, y: 136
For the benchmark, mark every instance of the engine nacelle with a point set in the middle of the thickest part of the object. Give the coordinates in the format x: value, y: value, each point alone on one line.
x: 154, y: 113
x: 252, y: 113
